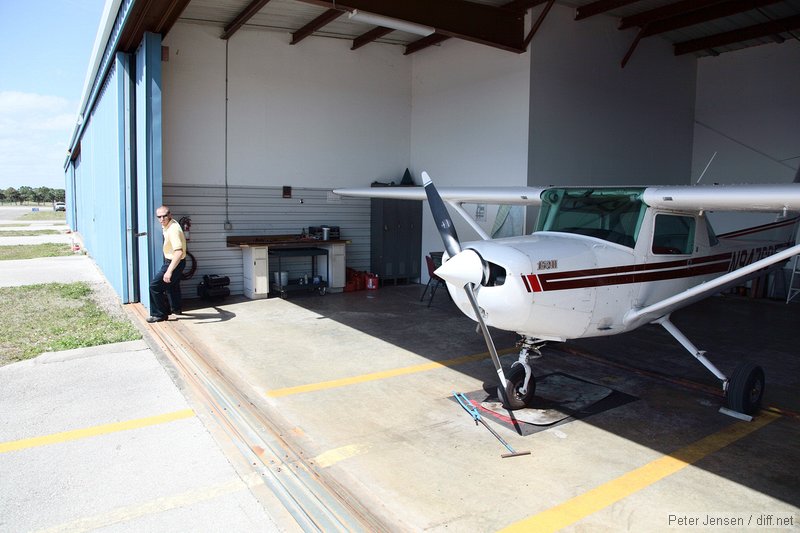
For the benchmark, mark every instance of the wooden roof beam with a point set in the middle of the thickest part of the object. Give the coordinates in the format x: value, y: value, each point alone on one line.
x: 431, y: 40
x: 425, y: 42
x: 240, y: 20
x: 479, y: 23
x: 153, y: 16
x: 599, y: 7
x: 327, y: 17
x: 371, y: 35
x: 664, y: 12
x: 698, y: 16
x: 766, y: 29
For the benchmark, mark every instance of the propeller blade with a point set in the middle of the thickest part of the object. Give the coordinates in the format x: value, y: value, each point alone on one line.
x: 487, y: 337
x: 466, y: 270
x: 442, y: 218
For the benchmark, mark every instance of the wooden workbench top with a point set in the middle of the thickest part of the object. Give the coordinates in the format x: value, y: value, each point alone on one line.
x: 283, y: 241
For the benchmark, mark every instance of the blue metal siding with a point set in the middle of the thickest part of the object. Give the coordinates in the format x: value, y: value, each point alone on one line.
x: 99, y: 183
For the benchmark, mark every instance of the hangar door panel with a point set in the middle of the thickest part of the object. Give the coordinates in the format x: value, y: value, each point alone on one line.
x: 148, y: 159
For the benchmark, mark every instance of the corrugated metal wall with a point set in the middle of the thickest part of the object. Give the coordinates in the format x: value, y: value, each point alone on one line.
x: 99, y: 183
x: 263, y: 211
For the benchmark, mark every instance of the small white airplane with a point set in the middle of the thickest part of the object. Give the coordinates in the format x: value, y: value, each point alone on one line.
x: 603, y: 261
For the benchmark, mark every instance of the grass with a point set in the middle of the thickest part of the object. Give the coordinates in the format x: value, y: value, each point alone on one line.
x: 45, y: 215
x: 28, y: 232
x: 53, y: 317
x: 33, y: 251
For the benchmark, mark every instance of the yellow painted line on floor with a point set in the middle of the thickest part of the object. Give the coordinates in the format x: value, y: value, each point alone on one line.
x: 336, y: 455
x: 160, y: 505
x: 374, y: 376
x: 580, y: 507
x: 94, y: 431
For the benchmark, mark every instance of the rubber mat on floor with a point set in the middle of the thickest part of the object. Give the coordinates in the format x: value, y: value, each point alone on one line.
x: 560, y: 398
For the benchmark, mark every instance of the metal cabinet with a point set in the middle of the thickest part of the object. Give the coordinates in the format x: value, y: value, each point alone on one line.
x: 396, y: 240
x: 255, y: 272
x: 336, y: 264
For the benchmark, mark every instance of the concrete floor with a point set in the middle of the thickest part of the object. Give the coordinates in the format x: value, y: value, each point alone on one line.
x: 362, y: 383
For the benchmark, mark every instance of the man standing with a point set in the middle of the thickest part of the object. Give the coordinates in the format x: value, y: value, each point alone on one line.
x: 165, y: 287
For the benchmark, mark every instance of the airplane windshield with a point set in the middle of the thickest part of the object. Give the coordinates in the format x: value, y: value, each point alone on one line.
x: 614, y: 215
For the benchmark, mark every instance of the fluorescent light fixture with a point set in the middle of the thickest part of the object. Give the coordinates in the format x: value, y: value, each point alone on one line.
x: 388, y: 22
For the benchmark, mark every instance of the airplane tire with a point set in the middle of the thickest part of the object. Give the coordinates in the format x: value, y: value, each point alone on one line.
x: 746, y: 388
x: 514, y: 380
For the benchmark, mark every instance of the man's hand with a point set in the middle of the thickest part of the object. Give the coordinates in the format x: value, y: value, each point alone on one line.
x: 167, y: 277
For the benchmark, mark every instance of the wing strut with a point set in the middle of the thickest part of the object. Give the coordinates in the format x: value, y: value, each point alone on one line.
x: 653, y: 312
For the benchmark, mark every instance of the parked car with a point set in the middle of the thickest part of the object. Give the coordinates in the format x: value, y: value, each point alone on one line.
x: 60, y: 206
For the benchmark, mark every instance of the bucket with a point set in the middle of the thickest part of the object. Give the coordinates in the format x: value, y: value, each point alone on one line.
x: 281, y: 278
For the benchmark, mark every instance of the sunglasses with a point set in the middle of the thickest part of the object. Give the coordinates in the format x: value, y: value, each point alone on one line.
x: 162, y: 216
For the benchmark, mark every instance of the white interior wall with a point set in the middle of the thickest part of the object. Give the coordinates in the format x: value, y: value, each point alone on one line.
x: 469, y: 122
x: 593, y: 122
x: 747, y: 113
x: 193, y: 106
x: 315, y: 114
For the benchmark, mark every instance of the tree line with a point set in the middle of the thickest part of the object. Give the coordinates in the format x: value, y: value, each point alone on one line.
x: 38, y: 195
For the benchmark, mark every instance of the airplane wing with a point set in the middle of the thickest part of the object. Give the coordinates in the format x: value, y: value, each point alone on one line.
x: 766, y: 198
x: 475, y: 195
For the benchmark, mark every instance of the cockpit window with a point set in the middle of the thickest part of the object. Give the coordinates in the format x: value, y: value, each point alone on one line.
x: 614, y: 215
x: 673, y: 234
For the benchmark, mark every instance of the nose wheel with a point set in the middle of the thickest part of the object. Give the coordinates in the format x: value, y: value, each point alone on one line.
x: 518, y: 396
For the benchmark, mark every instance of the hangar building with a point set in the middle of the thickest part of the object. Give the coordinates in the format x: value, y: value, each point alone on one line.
x: 217, y: 108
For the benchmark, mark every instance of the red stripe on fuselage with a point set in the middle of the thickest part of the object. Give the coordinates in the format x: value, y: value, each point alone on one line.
x: 598, y: 277
x: 532, y: 283
x: 758, y: 229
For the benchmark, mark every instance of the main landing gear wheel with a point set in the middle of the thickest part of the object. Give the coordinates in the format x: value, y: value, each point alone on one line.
x: 514, y: 381
x: 745, y: 389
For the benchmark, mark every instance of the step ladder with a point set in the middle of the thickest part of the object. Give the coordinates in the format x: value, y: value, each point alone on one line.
x: 793, y: 289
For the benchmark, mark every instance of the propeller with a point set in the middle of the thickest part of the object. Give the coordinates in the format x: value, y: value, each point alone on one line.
x: 464, y: 268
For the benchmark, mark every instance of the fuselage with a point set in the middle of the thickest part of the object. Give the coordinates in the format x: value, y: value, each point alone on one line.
x: 593, y: 259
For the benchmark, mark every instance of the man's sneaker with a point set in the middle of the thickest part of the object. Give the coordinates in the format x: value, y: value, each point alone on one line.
x: 153, y: 319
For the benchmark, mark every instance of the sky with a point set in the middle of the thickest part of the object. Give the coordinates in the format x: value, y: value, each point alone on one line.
x: 45, y: 48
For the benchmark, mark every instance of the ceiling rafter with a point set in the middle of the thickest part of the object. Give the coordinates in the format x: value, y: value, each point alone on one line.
x: 539, y: 22
x: 242, y: 18
x: 425, y: 42
x: 371, y: 35
x: 325, y: 18
x: 156, y: 16
x: 664, y: 12
x: 756, y: 31
x: 691, y: 13
x: 705, y: 14
x: 599, y: 7
x: 520, y: 6
x: 480, y: 23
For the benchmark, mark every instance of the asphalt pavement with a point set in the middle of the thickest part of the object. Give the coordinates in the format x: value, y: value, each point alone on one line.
x: 109, y: 437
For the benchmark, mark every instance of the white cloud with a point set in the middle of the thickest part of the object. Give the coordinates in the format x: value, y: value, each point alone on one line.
x: 34, y: 133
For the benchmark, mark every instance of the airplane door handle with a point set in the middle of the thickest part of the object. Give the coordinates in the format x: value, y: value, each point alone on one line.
x: 142, y: 234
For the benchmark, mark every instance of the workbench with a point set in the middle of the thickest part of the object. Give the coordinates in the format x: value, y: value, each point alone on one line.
x: 283, y: 289
x: 257, y: 249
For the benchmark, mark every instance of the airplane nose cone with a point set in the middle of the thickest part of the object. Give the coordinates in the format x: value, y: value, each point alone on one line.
x: 464, y: 267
